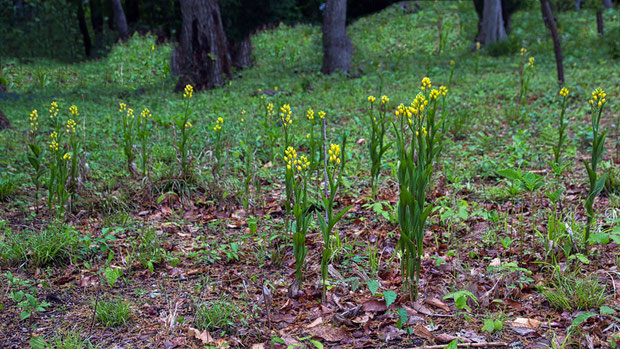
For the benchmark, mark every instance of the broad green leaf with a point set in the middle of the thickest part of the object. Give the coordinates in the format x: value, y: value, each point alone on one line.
x: 489, y: 325
x: 582, y: 318
x: 390, y: 297
x: 605, y: 310
x: 373, y: 286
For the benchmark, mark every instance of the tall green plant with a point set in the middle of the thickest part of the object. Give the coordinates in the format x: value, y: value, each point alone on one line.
x: 327, y: 222
x: 297, y: 187
x: 376, y: 146
x: 35, y: 157
x: 419, y: 143
x: 184, y: 127
x: 597, y: 183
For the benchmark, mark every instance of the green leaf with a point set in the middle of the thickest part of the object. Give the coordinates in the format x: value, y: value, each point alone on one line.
x: 38, y: 343
x: 24, y: 315
x: 605, y: 310
x: 489, y: 325
x: 453, y: 345
x: 582, y: 318
x: 390, y: 297
x: 373, y: 286
x: 317, y: 344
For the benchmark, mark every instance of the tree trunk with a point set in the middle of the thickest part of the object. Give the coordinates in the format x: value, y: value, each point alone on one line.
x: 4, y: 122
x: 83, y: 28
x: 241, y: 52
x: 550, y: 22
x: 202, y: 59
x: 337, y: 48
x: 492, y: 26
x: 600, y: 26
x: 119, y: 18
x: 96, y: 19
x: 607, y: 4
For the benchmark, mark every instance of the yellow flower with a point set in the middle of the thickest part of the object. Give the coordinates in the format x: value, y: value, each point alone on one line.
x: 523, y: 51
x: 242, y: 111
x: 53, y: 110
x: 451, y: 62
x: 426, y: 83
x: 122, y: 107
x: 130, y: 113
x: 443, y: 90
x: 34, y: 120
x: 269, y: 108
x: 321, y: 114
x: 531, y: 62
x: 285, y: 115
x: 67, y: 156
x: 372, y: 99
x: 218, y: 124
x: 598, y: 98
x: 477, y: 45
x: 434, y: 94
x: 310, y: 114
x: 188, y: 124
x: 74, y: 110
x: 189, y: 91
x: 384, y: 99
x: 71, y: 126
x: 334, y: 153
x: 152, y: 47
x: 564, y: 92
x: 308, y: 136
x: 146, y: 113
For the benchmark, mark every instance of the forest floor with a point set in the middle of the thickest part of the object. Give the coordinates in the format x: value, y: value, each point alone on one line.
x: 195, y: 267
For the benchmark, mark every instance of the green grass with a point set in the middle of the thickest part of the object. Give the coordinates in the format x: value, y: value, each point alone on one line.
x: 571, y: 291
x: 113, y: 313
x: 62, y: 340
x: 219, y: 314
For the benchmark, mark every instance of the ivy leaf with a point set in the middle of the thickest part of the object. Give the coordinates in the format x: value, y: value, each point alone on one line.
x: 390, y: 297
x: 373, y: 286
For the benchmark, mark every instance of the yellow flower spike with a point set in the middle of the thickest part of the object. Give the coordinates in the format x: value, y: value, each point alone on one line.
x: 434, y: 94
x: 152, y: 47
x: 34, y: 123
x: 74, y: 110
x: 288, y: 167
x: 477, y: 45
x: 443, y: 90
x: 130, y: 113
x: 321, y: 114
x: 523, y: 51
x: 384, y: 99
x: 67, y: 156
x: 451, y: 62
x: 122, y: 107
x: 53, y: 110
x: 189, y: 91
x: 372, y: 99
x: 188, y: 124
x: 564, y: 92
x: 71, y: 126
x: 310, y: 114
x: 146, y: 113
x: 308, y: 136
x: 426, y: 83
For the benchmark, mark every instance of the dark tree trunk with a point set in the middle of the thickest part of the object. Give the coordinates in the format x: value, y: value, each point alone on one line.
x: 96, y: 19
x: 4, y: 122
x: 607, y: 4
x: 600, y: 26
x: 550, y: 22
x: 492, y: 27
x: 120, y: 20
x: 508, y: 8
x: 83, y: 28
x: 241, y: 52
x: 202, y: 59
x: 132, y: 11
x: 337, y: 48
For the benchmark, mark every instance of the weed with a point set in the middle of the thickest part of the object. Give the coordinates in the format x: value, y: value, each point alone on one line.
x: 571, y: 292
x: 113, y: 313
x: 62, y: 340
x: 217, y: 314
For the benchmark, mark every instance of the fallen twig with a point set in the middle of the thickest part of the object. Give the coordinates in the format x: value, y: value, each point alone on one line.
x: 465, y: 345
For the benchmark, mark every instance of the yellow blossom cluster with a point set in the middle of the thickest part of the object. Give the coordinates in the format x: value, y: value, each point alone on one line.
x: 285, y: 115
x: 130, y: 113
x: 384, y: 99
x: 67, y: 156
x: 334, y: 153
x: 242, y: 119
x: 452, y: 62
x: 189, y: 91
x: 74, y: 110
x: 523, y: 51
x: 372, y: 99
x: 218, y: 124
x: 53, y: 110
x: 54, y: 143
x: 477, y: 45
x: 598, y: 98
x: 71, y: 126
x: 426, y: 83
x: 270, y: 109
x: 122, y: 107
x: 292, y: 162
x: 443, y: 90
x: 188, y: 124
x: 564, y: 92
x: 531, y: 62
x: 321, y: 114
x: 310, y: 114
x: 34, y: 120
x: 146, y: 113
